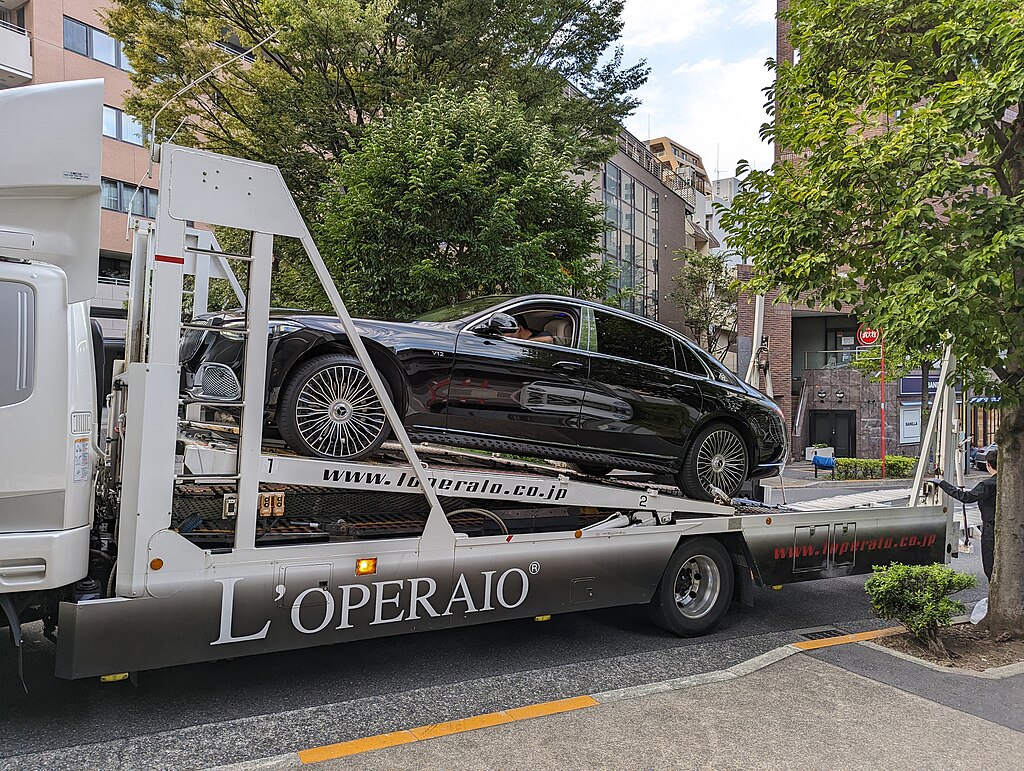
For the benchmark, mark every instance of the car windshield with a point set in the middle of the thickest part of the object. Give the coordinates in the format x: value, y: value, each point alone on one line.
x: 461, y: 310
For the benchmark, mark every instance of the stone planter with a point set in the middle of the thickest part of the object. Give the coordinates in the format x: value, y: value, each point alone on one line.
x: 824, y: 452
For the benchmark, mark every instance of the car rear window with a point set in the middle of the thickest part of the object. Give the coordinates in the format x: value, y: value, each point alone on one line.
x: 617, y: 336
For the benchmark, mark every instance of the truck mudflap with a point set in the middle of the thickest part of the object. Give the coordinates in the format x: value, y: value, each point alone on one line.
x: 253, y: 608
x: 828, y: 544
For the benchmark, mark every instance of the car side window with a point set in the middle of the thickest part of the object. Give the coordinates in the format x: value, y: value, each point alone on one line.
x: 617, y: 336
x: 688, y: 361
x: 715, y: 369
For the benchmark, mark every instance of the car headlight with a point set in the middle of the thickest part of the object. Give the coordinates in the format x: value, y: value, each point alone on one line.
x: 274, y: 329
x: 281, y: 328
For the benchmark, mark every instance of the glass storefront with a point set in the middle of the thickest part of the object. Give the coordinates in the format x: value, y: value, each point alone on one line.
x: 630, y: 242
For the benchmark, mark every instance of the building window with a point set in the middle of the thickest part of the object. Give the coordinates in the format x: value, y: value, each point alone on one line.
x: 118, y: 124
x: 118, y: 196
x: 94, y: 43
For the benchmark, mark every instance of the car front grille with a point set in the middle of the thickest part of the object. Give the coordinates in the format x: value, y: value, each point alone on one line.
x: 190, y: 342
x: 218, y: 381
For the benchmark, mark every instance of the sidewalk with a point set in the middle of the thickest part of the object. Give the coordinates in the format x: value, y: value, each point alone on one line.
x: 848, y: 706
x: 801, y: 474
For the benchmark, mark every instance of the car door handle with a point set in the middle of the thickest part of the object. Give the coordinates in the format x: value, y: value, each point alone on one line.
x: 571, y: 365
x: 683, y: 388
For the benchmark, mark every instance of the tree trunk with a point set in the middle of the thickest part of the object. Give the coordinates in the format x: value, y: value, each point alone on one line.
x: 926, y: 368
x: 935, y: 645
x: 1006, y: 593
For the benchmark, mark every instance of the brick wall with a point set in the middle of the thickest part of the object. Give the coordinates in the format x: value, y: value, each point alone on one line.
x: 778, y: 325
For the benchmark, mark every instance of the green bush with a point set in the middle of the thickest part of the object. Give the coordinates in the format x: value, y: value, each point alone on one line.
x: 896, y: 467
x: 918, y: 596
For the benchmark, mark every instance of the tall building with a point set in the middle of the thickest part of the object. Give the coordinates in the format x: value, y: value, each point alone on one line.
x: 682, y: 160
x: 49, y: 41
x: 723, y: 192
x: 647, y: 207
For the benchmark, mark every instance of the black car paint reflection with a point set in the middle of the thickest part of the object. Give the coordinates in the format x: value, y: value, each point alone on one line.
x: 454, y: 383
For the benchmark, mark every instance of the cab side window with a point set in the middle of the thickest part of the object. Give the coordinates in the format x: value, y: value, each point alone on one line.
x: 617, y: 336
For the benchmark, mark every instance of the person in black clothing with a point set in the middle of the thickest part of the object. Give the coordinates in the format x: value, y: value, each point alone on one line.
x: 984, y: 494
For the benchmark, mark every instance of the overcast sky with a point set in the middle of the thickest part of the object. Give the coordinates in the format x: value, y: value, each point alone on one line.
x: 707, y: 71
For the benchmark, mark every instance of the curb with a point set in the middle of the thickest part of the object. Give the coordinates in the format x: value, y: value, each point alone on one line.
x: 994, y: 673
x: 677, y: 684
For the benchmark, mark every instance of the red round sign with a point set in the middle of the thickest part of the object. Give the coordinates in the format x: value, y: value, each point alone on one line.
x: 868, y: 336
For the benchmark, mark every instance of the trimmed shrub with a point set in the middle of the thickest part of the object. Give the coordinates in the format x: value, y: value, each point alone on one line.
x: 918, y: 596
x: 896, y: 467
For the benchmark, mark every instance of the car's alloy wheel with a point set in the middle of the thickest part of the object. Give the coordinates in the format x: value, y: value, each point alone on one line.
x: 329, y: 409
x: 718, y: 458
x: 696, y: 588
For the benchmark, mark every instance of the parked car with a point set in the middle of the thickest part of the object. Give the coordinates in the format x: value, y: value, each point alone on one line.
x: 604, y: 389
x: 980, y: 457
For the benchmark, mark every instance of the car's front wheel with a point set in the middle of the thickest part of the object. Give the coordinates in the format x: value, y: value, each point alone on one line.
x: 328, y: 409
x: 717, y: 458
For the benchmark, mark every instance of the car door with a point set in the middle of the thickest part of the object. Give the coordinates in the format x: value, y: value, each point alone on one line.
x: 519, y: 390
x: 639, y: 400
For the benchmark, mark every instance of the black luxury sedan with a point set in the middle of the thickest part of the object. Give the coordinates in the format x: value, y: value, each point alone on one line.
x: 544, y: 376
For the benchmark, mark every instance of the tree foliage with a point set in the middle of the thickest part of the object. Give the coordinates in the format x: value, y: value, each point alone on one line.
x: 337, y: 66
x: 705, y: 294
x: 901, y: 192
x: 457, y: 196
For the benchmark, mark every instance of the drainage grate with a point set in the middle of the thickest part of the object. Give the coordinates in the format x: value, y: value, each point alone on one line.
x: 820, y: 633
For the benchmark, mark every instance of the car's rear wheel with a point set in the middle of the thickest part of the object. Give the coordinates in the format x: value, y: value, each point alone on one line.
x: 329, y: 409
x: 696, y: 588
x: 717, y: 458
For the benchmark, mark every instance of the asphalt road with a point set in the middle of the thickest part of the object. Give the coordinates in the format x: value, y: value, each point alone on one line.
x: 205, y: 715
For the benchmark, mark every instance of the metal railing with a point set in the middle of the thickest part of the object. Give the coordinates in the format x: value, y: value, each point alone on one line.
x: 679, y: 182
x: 841, y: 358
x: 13, y: 27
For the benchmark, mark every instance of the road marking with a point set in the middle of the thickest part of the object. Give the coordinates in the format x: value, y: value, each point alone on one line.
x: 379, y: 742
x: 810, y: 645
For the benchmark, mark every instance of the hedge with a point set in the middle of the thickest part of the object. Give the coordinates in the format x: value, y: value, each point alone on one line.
x: 896, y: 467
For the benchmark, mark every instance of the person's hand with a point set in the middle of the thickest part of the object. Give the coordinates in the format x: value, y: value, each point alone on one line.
x: 935, y: 480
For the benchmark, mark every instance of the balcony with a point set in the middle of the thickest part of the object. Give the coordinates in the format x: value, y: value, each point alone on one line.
x: 15, y: 55
x: 842, y: 358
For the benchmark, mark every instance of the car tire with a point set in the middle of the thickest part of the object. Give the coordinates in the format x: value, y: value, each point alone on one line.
x: 696, y: 588
x: 328, y: 409
x: 717, y: 457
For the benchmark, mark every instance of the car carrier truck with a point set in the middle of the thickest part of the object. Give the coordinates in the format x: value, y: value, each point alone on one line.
x: 160, y: 536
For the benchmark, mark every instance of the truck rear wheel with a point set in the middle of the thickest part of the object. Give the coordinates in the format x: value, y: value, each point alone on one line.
x: 696, y: 588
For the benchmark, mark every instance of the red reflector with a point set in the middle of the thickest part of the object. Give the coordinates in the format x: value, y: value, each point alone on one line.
x: 169, y: 258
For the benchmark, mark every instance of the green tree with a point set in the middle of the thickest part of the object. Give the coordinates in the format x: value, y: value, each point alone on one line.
x: 705, y: 294
x: 903, y: 195
x: 337, y: 66
x: 453, y: 197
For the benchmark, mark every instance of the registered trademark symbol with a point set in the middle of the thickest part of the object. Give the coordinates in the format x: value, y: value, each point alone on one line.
x: 534, y: 568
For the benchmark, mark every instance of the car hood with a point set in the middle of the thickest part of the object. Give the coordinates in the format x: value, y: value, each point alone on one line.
x: 332, y: 324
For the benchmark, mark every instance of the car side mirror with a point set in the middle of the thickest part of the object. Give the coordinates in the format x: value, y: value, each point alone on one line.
x: 497, y: 324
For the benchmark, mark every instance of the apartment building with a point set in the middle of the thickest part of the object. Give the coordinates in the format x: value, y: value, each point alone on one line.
x: 49, y: 41
x: 647, y: 208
